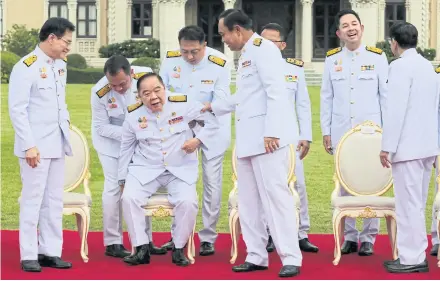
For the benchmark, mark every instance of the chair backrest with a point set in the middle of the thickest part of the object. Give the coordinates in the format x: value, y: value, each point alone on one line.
x: 292, y: 163
x: 77, y: 166
x: 357, y: 161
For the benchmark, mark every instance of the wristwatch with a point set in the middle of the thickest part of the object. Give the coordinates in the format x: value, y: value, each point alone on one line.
x: 121, y: 182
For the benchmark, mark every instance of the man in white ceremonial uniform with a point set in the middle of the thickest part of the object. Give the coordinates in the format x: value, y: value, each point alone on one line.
x: 434, y: 232
x: 202, y: 74
x: 262, y: 110
x: 353, y: 91
x: 109, y: 100
x: 295, y: 82
x: 39, y: 116
x: 410, y: 144
x: 158, y: 150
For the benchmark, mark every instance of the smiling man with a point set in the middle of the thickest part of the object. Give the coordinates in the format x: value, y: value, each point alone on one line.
x: 158, y: 150
x: 353, y: 90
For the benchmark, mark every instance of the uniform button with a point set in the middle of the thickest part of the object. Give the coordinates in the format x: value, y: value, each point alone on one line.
x: 352, y: 88
x: 352, y: 117
x: 352, y: 102
x: 164, y: 152
x: 162, y: 140
x: 158, y: 116
x: 161, y: 129
x: 238, y: 119
x: 190, y: 86
x: 165, y: 164
x: 352, y: 73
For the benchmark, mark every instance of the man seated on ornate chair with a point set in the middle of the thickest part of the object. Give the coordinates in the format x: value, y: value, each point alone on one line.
x: 157, y: 150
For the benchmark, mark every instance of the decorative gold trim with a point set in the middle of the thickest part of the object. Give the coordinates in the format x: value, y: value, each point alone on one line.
x: 367, y: 213
x: 161, y: 212
x: 344, y: 185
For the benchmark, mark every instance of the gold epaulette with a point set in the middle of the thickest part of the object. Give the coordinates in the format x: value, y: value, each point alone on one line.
x: 30, y: 60
x: 296, y: 62
x: 139, y: 75
x: 217, y: 60
x: 181, y: 98
x: 173, y: 54
x: 104, y: 90
x: 257, y: 42
x: 333, y: 51
x: 437, y: 70
x: 65, y: 59
x: 133, y: 107
x: 374, y: 50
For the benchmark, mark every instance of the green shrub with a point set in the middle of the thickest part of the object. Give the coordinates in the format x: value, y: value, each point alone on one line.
x: 428, y: 54
x: 132, y: 49
x: 83, y: 76
x: 20, y: 41
x: 8, y: 60
x: 76, y: 61
x: 149, y: 62
x: 385, y: 46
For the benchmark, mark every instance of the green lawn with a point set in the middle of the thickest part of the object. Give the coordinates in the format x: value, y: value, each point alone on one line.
x: 318, y: 167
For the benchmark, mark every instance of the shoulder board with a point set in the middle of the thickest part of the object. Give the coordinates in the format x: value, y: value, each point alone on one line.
x: 133, y: 107
x: 334, y: 51
x: 374, y: 50
x: 437, y: 70
x: 257, y: 41
x: 65, y: 59
x: 217, y: 60
x: 181, y: 98
x: 139, y: 75
x: 296, y: 62
x: 173, y: 54
x: 30, y: 60
x: 104, y: 90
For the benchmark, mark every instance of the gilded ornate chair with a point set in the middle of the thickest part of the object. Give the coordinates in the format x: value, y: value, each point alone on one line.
x: 234, y: 221
x: 159, y: 206
x: 437, y: 208
x: 358, y: 170
x: 77, y: 173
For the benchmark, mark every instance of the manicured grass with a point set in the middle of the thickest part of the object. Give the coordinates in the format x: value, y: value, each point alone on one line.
x: 318, y: 169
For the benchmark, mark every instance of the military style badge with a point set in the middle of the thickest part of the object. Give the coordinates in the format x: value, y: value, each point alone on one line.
x: 246, y: 64
x: 61, y: 72
x: 142, y: 122
x: 291, y: 78
x: 112, y: 103
x: 207, y: 81
x: 367, y: 67
x: 338, y: 65
x: 175, y: 120
x: 173, y: 114
x: 43, y: 73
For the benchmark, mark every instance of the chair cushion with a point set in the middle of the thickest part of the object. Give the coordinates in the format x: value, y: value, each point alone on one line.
x: 75, y: 165
x: 158, y: 199
x: 75, y: 199
x: 363, y: 201
x: 436, y: 204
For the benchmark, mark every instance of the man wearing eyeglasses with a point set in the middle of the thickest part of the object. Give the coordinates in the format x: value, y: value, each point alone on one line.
x: 109, y: 100
x: 202, y: 74
x: 39, y: 115
x: 296, y: 85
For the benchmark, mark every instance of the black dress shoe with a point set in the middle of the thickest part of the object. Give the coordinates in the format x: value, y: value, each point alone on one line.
x: 30, y: 266
x: 289, y: 271
x: 306, y: 246
x: 169, y: 245
x: 156, y: 250
x: 270, y: 247
x: 434, y: 250
x: 206, y: 249
x: 178, y: 258
x: 248, y: 267
x: 117, y: 251
x: 366, y: 249
x: 349, y: 247
x: 54, y: 262
x: 140, y: 256
x: 397, y: 267
x: 386, y: 263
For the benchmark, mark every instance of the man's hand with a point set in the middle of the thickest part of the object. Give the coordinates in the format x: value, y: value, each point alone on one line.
x: 207, y: 107
x: 191, y: 145
x: 304, y: 147
x: 434, y: 164
x: 271, y: 144
x: 121, y: 185
x: 384, y: 159
x: 327, y: 142
x: 33, y: 156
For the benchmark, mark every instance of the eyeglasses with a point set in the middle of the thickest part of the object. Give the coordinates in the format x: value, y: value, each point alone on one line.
x: 65, y: 41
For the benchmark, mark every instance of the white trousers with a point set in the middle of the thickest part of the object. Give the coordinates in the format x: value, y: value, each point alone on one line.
x: 434, y: 234
x: 180, y: 194
x: 111, y: 203
x: 411, y: 185
x: 263, y: 191
x: 300, y: 186
x: 41, y: 206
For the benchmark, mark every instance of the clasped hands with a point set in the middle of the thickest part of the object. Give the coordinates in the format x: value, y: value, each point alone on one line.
x: 191, y: 145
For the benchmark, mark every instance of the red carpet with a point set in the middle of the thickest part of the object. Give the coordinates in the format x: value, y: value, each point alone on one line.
x: 315, y: 266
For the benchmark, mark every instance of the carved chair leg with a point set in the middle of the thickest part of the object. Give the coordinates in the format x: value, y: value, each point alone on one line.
x: 438, y: 231
x: 191, y: 248
x: 338, y: 233
x: 392, y: 229
x: 235, y: 237
x: 81, y: 222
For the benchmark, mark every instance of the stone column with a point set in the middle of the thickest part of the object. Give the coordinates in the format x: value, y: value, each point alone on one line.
x: 72, y: 6
x: 98, y: 26
x: 408, y: 10
x: 169, y: 30
x: 418, y: 12
x: 438, y: 30
x: 368, y: 11
x: 229, y: 4
x: 381, y: 21
x: 128, y: 20
x: 3, y: 11
x: 46, y: 10
x: 307, y: 31
x: 119, y: 17
x: 155, y: 8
